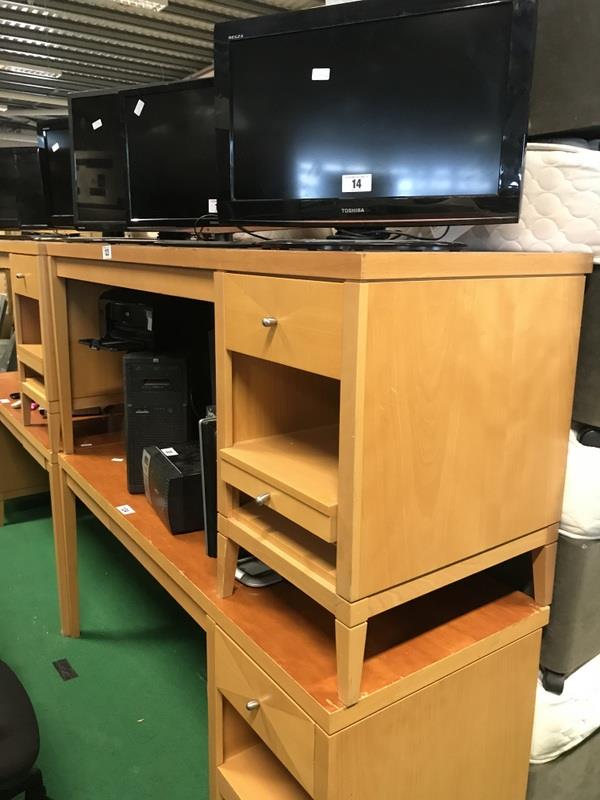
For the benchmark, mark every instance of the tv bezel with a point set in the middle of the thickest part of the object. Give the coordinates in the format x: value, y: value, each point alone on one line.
x: 159, y: 223
x: 57, y: 124
x: 455, y: 209
x: 95, y: 224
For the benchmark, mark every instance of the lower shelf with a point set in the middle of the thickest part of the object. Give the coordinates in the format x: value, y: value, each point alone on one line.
x: 32, y: 356
x: 256, y: 773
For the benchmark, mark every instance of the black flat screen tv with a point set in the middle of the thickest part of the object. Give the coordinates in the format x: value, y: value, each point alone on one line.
x: 32, y: 211
x: 98, y: 161
x: 54, y: 141
x: 381, y: 111
x: 171, y: 153
x: 8, y: 189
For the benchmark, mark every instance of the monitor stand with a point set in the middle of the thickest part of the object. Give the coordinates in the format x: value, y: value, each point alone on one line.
x: 354, y: 245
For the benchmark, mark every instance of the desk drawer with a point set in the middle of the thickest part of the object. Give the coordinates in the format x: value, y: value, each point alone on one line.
x: 24, y: 276
x: 277, y: 720
x: 273, y: 497
x: 306, y: 321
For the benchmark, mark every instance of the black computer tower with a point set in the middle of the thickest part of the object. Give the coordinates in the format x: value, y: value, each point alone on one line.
x: 156, y: 407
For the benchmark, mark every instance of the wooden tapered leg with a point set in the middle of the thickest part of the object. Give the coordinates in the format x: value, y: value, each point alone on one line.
x: 1, y: 512
x: 54, y: 432
x: 65, y: 547
x: 350, y: 653
x: 25, y: 410
x: 228, y: 552
x: 544, y: 569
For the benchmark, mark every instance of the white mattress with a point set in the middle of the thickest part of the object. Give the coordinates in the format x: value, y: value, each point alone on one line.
x: 560, y: 211
x: 564, y: 721
x: 581, y: 500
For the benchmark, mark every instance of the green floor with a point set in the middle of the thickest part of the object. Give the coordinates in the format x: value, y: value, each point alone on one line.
x: 133, y: 725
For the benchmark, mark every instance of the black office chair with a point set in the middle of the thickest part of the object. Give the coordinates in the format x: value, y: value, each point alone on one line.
x: 19, y: 741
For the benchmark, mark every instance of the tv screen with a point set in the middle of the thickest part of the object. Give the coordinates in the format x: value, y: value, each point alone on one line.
x: 55, y: 150
x: 8, y: 189
x: 31, y: 199
x: 171, y: 158
x: 382, y: 110
x: 98, y: 160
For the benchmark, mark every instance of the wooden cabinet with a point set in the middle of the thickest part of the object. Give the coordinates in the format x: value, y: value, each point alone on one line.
x: 380, y: 439
x: 463, y: 737
x: 34, y: 336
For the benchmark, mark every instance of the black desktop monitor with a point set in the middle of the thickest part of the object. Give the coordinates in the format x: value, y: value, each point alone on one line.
x: 171, y: 153
x: 98, y: 161
x: 54, y: 141
x: 405, y: 111
x: 8, y: 189
x: 31, y: 198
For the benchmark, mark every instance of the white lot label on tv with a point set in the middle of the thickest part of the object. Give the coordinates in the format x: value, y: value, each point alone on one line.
x: 97, y: 124
x: 106, y: 252
x: 169, y: 451
x: 212, y: 206
x: 357, y: 183
x: 55, y: 147
x: 139, y: 107
x: 321, y: 74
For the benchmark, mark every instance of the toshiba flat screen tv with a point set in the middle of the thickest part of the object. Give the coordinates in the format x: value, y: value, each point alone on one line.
x: 381, y: 111
x: 171, y: 156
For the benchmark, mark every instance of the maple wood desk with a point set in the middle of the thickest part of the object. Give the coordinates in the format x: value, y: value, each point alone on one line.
x: 460, y: 653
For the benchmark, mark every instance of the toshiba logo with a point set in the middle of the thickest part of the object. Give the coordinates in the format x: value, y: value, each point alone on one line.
x: 353, y: 211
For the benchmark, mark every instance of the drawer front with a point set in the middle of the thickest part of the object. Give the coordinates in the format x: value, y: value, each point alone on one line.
x: 25, y: 276
x: 306, y: 321
x: 314, y: 521
x: 278, y: 721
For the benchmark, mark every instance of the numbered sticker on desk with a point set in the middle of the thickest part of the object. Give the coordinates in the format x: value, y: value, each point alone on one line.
x: 106, y: 252
x: 357, y: 183
x: 125, y: 510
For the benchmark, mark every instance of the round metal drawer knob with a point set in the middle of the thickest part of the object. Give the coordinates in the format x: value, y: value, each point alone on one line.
x: 252, y: 705
x: 262, y: 499
x: 269, y: 322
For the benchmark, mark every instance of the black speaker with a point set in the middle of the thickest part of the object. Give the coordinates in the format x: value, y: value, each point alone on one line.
x: 156, y: 407
x: 173, y: 485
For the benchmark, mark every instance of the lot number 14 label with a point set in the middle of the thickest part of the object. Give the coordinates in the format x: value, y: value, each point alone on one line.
x: 357, y: 183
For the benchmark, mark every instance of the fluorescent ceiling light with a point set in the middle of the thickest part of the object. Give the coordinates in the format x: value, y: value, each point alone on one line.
x: 148, y: 5
x: 3, y: 108
x: 34, y: 72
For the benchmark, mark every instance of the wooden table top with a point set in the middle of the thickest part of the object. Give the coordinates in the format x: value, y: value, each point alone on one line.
x: 291, y: 636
